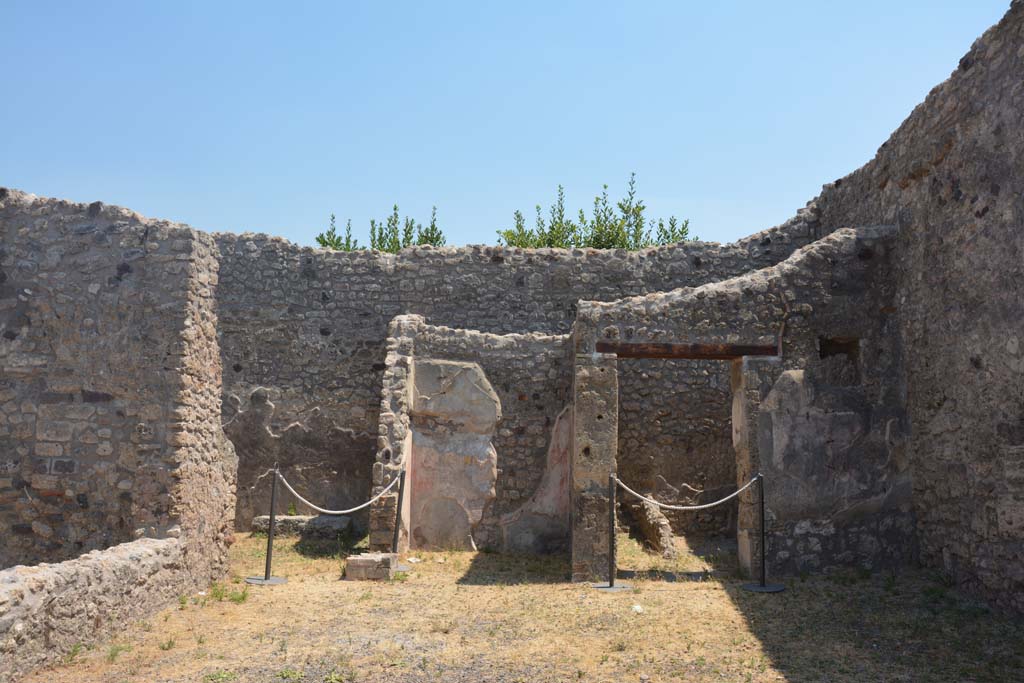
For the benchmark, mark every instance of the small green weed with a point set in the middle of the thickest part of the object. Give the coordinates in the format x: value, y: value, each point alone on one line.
x: 166, y: 645
x: 115, y: 651
x: 219, y: 677
x: 75, y: 650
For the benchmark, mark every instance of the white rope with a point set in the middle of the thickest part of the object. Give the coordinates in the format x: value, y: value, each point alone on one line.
x: 336, y: 512
x: 687, y: 507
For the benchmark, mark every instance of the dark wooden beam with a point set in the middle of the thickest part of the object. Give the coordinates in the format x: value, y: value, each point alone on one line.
x: 688, y: 351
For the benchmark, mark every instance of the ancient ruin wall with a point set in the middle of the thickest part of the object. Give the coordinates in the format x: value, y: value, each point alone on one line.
x: 97, y: 319
x: 112, y: 429
x: 308, y: 327
x: 205, y: 465
x: 829, y: 423
x: 952, y: 178
x: 531, y: 375
x: 674, y: 436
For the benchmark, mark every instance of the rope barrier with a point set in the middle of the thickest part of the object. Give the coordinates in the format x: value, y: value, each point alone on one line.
x: 687, y: 507
x: 336, y: 512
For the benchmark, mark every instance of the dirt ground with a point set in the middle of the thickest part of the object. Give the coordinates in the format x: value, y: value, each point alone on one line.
x: 476, y: 617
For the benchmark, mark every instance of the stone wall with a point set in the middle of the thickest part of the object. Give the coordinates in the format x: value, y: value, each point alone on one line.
x: 531, y: 376
x: 47, y: 610
x: 305, y: 329
x: 111, y: 429
x: 952, y: 178
x: 204, y: 464
x: 674, y: 437
x: 829, y: 421
x: 103, y: 316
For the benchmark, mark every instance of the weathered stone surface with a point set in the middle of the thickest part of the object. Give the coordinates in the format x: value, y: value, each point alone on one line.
x: 109, y: 331
x: 456, y: 392
x: 543, y: 523
x: 371, y: 567
x: 594, y: 444
x: 47, y: 610
x: 952, y: 178
x: 837, y: 464
x: 312, y: 327
x: 453, y: 462
x: 654, y: 528
x: 313, y: 454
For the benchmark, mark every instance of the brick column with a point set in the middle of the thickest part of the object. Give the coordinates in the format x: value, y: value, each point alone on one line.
x: 595, y: 445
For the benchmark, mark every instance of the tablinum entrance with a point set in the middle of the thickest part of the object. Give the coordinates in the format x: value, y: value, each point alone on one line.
x: 673, y: 351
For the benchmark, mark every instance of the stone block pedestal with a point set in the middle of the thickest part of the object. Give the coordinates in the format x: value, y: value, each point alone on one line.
x: 371, y: 567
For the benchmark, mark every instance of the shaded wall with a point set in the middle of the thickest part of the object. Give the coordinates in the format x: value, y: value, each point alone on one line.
x: 952, y: 178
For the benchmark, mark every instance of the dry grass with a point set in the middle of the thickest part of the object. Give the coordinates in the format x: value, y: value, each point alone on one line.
x: 479, y: 617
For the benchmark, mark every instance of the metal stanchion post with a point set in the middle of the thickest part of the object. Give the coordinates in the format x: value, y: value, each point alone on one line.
x: 267, y: 579
x: 612, y: 545
x: 611, y: 531
x: 763, y: 586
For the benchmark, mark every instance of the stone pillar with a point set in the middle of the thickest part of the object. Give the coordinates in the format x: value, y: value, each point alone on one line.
x: 752, y: 379
x: 595, y: 445
x: 394, y: 440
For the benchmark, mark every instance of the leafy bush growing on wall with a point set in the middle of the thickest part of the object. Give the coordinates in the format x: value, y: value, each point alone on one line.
x: 392, y: 234
x: 622, y: 226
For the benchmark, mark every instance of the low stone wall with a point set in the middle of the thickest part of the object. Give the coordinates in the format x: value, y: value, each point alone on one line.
x: 48, y: 609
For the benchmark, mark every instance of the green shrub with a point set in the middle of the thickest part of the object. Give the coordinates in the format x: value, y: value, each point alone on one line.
x: 622, y: 226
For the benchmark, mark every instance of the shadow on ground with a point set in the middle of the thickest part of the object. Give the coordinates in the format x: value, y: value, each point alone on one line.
x: 852, y: 625
x: 490, y: 569
x: 317, y: 547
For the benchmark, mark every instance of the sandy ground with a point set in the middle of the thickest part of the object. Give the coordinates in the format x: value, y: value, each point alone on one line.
x: 483, y: 617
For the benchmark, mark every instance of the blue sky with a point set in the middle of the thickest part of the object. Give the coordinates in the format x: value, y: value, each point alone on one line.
x: 270, y: 116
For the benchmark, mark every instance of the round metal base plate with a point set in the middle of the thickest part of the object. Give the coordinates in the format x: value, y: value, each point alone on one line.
x: 611, y: 589
x: 260, y: 581
x: 767, y: 588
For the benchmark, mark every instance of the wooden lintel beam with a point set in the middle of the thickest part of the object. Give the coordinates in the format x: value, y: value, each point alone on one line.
x: 686, y: 351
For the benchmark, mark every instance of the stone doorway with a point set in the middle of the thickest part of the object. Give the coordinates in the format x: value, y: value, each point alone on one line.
x: 595, y: 441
